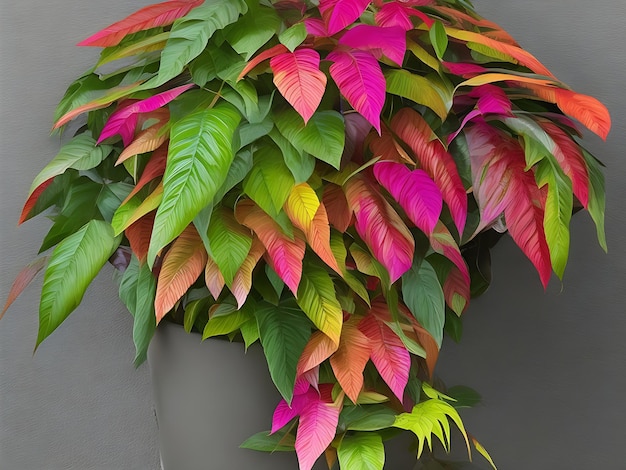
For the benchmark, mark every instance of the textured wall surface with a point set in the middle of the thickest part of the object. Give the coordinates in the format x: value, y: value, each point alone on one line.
x: 550, y: 366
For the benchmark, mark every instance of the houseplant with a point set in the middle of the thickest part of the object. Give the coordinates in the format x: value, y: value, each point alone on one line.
x: 525, y: 117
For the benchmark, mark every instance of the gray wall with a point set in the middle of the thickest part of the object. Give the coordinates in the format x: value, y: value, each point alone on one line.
x: 550, y: 366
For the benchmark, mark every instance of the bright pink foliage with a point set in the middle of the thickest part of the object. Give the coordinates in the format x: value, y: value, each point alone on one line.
x: 387, y: 41
x: 338, y: 14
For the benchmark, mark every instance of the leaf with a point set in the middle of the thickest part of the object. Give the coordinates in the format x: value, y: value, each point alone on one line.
x: 431, y: 417
x: 293, y: 36
x: 380, y: 227
x: 482, y: 451
x: 74, y: 263
x: 225, y: 319
x: 438, y: 38
x: 189, y: 35
x: 360, y: 80
x: 419, y: 89
x: 302, y: 205
x: 361, y: 451
x: 138, y: 234
x: 137, y: 290
x: 317, y: 298
x: 160, y: 14
x: 286, y: 254
x: 22, y: 280
x: 465, y: 397
x: 134, y: 44
x: 319, y: 348
x: 596, y: 196
x: 147, y: 140
x: 269, y: 181
x: 253, y: 30
x: 266, y: 442
x: 434, y: 159
x: 348, y: 362
x: 423, y: 294
x: 398, y: 14
x: 418, y: 195
x: 284, y: 333
x: 182, y: 265
x: 388, y: 353
x: 300, y: 163
x: 263, y: 56
x: 153, y: 169
x: 298, y: 77
x: 242, y: 282
x: 337, y: 209
x: 213, y: 278
x: 229, y: 242
x: 388, y: 41
x: 322, y: 136
x: 200, y: 154
x: 338, y: 14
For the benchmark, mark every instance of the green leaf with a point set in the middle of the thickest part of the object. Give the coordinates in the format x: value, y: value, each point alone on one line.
x: 596, y: 196
x: 367, y: 418
x: 423, y: 294
x: 284, y: 332
x: 438, y: 38
x: 419, y: 89
x: 558, y: 211
x: 240, y: 167
x: 300, y: 163
x: 138, y: 43
x: 80, y: 153
x: 200, y: 155
x: 269, y: 182
x: 249, y: 133
x: 74, y: 263
x: 253, y: 30
x: 465, y: 397
x: 193, y: 310
x: 249, y: 332
x: 293, y: 36
x: 137, y: 291
x: 323, y: 136
x: 281, y: 441
x: 361, y: 451
x: 190, y: 34
x: 111, y: 197
x: 225, y: 319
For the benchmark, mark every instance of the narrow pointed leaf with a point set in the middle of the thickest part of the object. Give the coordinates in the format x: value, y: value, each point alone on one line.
x: 266, y: 54
x: 138, y: 234
x: 182, y: 265
x: 73, y: 264
x: 154, y: 168
x: 242, y: 282
x: 200, y: 154
x: 213, y: 278
x: 337, y: 209
x: 597, y: 202
x: 22, y: 280
x: 438, y: 38
x: 349, y: 361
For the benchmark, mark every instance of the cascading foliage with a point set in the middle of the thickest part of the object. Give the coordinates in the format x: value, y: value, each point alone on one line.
x: 322, y: 177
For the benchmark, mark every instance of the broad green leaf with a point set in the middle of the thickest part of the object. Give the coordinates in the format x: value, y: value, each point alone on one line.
x: 269, y: 182
x: 317, y: 298
x: 230, y: 242
x: 249, y: 133
x: 323, y: 136
x: 367, y: 418
x: 224, y: 319
x: 249, y: 332
x: 558, y: 211
x: 423, y: 294
x: 361, y: 451
x: 189, y: 35
x: 300, y: 163
x: 596, y: 196
x: 51, y: 193
x: 419, y: 89
x: 253, y: 30
x: 281, y: 441
x: 200, y: 155
x: 74, y: 263
x: 438, y: 38
x: 111, y: 197
x: 240, y: 167
x: 80, y: 153
x: 137, y: 290
x: 284, y: 332
x: 293, y: 36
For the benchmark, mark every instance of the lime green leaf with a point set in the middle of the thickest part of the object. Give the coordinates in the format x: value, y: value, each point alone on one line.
x: 280, y: 441
x: 596, y: 196
x: 200, y: 154
x: 419, y: 89
x: 361, y: 451
x: 293, y: 36
x: 438, y: 38
x: 269, y: 182
x: 73, y: 264
x: 284, y: 332
x: 137, y: 290
x: 482, y: 451
x: 323, y: 136
x: 253, y: 30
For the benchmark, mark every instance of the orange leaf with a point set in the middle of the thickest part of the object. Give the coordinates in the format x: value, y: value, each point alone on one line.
x: 154, y: 168
x: 267, y: 54
x: 387, y: 148
x: 242, y: 282
x: 350, y: 359
x: 139, y: 233
x: 182, y: 265
x: 425, y: 340
x: 23, y: 279
x: 319, y: 348
x: 146, y: 141
x: 213, y: 278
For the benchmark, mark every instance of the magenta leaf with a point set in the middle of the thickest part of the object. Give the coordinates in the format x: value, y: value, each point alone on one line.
x: 285, y: 413
x: 124, y: 120
x: 464, y: 70
x: 340, y: 13
x: 388, y: 41
x: 399, y: 13
x: 360, y: 80
x: 316, y: 27
x: 418, y: 195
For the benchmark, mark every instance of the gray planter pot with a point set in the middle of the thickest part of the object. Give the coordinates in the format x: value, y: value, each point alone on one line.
x: 210, y: 397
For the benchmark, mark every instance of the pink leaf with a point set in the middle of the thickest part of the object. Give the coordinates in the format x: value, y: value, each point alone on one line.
x: 316, y: 27
x: 267, y: 54
x: 410, y: 127
x: 443, y: 243
x: 463, y: 69
x: 23, y: 279
x: 389, y: 41
x: 389, y: 355
x: 298, y: 77
x: 399, y: 13
x: 361, y: 81
x: 285, y: 413
x: 340, y: 13
x: 380, y: 226
x: 418, y: 195
x: 152, y: 16
x: 124, y: 120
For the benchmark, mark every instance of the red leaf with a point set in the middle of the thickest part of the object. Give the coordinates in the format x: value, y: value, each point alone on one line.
x: 298, y: 77
x: 267, y: 54
x: 32, y: 200
x: 387, y: 148
x: 182, y: 265
x: 434, y: 159
x: 161, y: 14
x: 389, y: 41
x: 154, y: 168
x: 361, y: 81
x: 22, y: 280
x: 340, y: 13
x: 380, y: 226
x: 139, y: 233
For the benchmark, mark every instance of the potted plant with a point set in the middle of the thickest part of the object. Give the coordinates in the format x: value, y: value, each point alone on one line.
x: 323, y: 178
